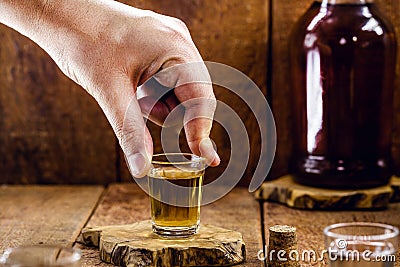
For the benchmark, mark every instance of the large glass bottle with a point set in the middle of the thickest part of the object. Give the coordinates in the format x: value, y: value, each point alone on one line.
x: 343, y: 57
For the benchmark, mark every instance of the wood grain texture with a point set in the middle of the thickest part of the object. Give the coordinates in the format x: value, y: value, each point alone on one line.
x: 31, y: 215
x: 127, y: 204
x: 136, y: 245
x: 284, y: 15
x: 52, y: 131
x: 238, y: 211
x: 231, y: 32
x: 286, y: 191
x: 310, y: 224
x: 391, y: 9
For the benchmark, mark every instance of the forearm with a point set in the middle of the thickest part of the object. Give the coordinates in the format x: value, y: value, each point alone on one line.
x: 49, y: 23
x: 109, y: 49
x: 21, y: 15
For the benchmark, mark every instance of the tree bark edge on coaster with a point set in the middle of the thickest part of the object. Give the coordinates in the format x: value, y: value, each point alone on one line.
x: 136, y: 245
x: 286, y: 191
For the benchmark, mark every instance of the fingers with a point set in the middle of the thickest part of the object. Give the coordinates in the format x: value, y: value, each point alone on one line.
x: 193, y: 90
x: 154, y: 110
x: 136, y: 141
x: 198, y: 121
x: 123, y: 112
x: 157, y: 102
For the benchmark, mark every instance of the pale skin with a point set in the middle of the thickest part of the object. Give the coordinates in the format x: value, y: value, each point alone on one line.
x: 110, y: 49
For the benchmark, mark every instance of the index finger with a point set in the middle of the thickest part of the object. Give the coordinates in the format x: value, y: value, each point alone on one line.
x: 193, y: 88
x: 200, y: 106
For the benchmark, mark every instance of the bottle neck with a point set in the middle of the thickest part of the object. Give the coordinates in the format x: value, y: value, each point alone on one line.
x: 339, y: 2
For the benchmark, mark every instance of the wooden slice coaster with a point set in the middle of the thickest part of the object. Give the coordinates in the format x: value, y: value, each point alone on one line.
x: 286, y: 191
x: 136, y: 245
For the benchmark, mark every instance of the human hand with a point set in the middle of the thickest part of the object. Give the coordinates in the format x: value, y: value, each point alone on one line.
x: 110, y: 49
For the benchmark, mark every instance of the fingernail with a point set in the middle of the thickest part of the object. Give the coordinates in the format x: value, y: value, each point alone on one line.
x: 207, y: 151
x: 137, y: 165
x: 217, y: 159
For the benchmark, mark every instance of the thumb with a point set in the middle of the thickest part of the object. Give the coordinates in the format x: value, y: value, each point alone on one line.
x: 136, y: 141
x: 122, y: 109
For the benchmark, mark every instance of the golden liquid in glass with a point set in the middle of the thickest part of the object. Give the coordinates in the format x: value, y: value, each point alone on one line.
x: 173, y: 206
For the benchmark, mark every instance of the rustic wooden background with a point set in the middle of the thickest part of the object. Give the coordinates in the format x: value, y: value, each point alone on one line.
x: 51, y: 131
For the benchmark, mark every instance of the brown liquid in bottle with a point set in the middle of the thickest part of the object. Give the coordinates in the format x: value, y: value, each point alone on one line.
x: 343, y: 66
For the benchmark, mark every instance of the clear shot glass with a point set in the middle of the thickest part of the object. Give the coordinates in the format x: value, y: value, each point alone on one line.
x: 175, y: 188
x: 361, y: 244
x: 41, y: 256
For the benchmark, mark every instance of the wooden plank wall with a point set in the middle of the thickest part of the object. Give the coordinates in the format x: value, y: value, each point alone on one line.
x: 392, y: 10
x: 53, y: 132
x: 231, y: 32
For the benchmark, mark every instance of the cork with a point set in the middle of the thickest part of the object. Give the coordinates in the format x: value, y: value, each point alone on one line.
x: 282, y: 246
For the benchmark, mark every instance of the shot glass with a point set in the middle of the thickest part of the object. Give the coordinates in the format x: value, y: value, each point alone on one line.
x: 41, y: 256
x: 361, y: 244
x: 175, y: 188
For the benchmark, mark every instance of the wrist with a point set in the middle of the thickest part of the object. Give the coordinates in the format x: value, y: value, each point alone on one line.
x: 40, y: 19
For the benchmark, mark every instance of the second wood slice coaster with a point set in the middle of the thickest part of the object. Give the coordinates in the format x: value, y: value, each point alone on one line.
x: 136, y: 245
x: 286, y: 191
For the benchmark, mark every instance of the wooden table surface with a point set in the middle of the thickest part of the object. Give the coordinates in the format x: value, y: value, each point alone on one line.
x: 56, y: 214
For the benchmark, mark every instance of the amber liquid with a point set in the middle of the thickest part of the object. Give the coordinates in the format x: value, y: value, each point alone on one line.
x: 343, y: 66
x: 173, y: 206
